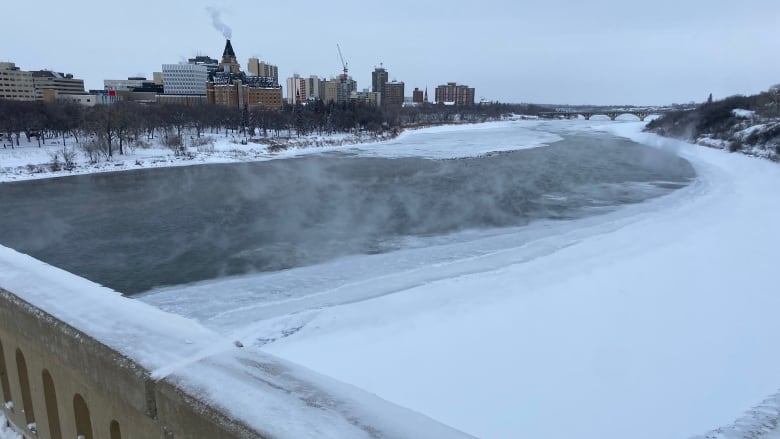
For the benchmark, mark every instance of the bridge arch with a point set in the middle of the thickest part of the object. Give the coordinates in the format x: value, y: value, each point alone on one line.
x: 24, y: 384
x: 52, y: 412
x: 114, y: 430
x: 83, y: 421
x: 5, y: 385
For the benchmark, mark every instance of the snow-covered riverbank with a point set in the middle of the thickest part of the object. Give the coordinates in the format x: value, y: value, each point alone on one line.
x: 29, y: 161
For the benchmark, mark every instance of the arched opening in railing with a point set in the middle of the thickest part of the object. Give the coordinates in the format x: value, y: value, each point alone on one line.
x: 24, y: 383
x: 52, y: 412
x: 83, y: 422
x: 5, y: 386
x: 114, y: 431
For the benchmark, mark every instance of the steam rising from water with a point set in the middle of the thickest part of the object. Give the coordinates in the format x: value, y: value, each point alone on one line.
x: 134, y: 231
x: 216, y: 21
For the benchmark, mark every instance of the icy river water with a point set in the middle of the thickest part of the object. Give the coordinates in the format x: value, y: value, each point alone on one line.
x: 135, y: 231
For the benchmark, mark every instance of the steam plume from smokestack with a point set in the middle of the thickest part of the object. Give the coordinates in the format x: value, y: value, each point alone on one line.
x: 216, y: 21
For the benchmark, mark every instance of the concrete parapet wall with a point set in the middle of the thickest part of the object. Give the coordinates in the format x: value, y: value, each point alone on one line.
x: 121, y: 399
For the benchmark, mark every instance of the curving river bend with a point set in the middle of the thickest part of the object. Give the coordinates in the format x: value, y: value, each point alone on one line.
x: 135, y: 231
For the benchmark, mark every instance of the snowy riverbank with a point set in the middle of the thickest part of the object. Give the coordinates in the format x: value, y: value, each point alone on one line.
x: 29, y: 161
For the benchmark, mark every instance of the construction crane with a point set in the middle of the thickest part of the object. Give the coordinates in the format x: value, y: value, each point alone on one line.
x: 343, y: 63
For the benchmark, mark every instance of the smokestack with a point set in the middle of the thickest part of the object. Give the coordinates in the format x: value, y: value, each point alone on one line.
x: 216, y: 21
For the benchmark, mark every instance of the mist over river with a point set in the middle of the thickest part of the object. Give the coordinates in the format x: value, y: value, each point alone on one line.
x: 135, y: 231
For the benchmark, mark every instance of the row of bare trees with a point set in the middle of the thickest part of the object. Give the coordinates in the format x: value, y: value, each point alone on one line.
x: 105, y: 130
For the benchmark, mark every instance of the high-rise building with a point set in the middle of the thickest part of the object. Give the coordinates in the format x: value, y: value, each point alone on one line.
x: 255, y: 67
x: 329, y: 91
x: 379, y: 78
x: 16, y: 84
x: 314, y: 87
x: 185, y: 79
x: 339, y: 89
x: 346, y: 85
x: 296, y: 90
x: 454, y: 94
x: 49, y: 84
x: 417, y: 96
x: 393, y: 94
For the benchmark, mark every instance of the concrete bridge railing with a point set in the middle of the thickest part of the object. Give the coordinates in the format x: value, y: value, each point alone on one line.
x: 57, y: 382
x: 78, y: 360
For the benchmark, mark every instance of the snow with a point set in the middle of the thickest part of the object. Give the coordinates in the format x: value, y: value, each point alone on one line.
x: 210, y: 365
x: 470, y: 142
x: 653, y: 321
x: 739, y: 112
x: 29, y: 161
x: 662, y: 327
x: 657, y: 320
x: 750, y: 130
x: 5, y: 431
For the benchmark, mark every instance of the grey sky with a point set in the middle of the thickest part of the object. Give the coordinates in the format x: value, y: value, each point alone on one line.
x: 591, y: 51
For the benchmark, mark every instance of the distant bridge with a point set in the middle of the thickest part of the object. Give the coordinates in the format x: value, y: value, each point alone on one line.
x: 611, y: 113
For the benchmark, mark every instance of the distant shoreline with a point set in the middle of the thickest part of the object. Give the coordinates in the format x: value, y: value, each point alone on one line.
x: 225, y: 150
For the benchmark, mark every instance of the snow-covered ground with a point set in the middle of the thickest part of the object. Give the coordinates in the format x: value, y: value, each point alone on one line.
x: 657, y: 320
x: 6, y: 432
x: 30, y: 161
x: 654, y: 321
x: 664, y: 327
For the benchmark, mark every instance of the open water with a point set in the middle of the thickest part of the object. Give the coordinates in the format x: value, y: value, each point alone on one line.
x: 134, y: 231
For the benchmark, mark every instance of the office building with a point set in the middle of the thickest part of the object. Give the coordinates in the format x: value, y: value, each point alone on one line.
x: 379, y: 77
x: 49, y: 84
x: 184, y: 79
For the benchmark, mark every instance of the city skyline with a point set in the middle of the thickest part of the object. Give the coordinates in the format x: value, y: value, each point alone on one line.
x: 594, y: 53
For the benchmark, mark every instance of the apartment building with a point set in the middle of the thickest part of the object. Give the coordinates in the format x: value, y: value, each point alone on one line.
x: 454, y: 94
x: 296, y: 90
x: 256, y: 67
x: 16, y: 84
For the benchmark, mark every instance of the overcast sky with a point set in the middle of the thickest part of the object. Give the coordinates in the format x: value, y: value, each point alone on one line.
x: 567, y: 52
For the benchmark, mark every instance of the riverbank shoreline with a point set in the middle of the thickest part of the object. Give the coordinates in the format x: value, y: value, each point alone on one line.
x: 29, y: 161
